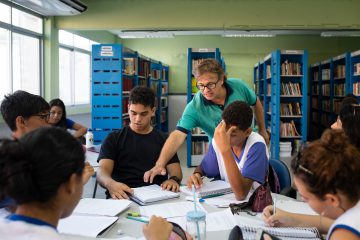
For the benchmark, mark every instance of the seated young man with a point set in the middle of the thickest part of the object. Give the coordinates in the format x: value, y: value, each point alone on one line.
x: 128, y: 153
x: 236, y: 155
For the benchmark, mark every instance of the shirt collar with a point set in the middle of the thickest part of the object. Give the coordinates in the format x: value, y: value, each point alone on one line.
x: 31, y: 220
x: 229, y: 91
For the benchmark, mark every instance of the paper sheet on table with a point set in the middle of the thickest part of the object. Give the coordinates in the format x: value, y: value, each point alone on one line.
x: 295, y: 207
x: 169, y: 210
x: 103, y: 207
x: 216, y: 221
x: 223, y: 201
x: 89, y: 226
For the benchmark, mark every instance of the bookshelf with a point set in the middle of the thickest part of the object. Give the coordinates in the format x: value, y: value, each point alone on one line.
x: 354, y: 67
x: 115, y: 71
x: 285, y: 101
x: 197, y: 141
x: 314, y: 113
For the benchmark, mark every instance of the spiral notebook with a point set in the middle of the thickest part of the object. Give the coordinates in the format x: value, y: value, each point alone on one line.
x: 209, y: 189
x: 284, y: 233
x: 152, y: 193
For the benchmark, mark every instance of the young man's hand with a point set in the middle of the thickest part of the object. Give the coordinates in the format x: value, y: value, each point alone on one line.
x: 157, y: 229
x: 222, y: 136
x: 87, y: 172
x: 119, y: 190
x: 196, y: 180
x: 170, y: 185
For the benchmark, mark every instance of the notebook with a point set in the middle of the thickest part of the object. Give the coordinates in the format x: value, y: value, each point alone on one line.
x: 209, y: 189
x: 284, y: 233
x: 103, y: 207
x: 150, y: 194
x: 90, y: 226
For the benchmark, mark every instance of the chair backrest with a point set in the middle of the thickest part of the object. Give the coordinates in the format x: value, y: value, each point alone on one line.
x: 282, y: 172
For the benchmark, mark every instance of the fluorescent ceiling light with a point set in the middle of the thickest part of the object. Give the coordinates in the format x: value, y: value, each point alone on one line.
x: 53, y: 7
x: 340, y: 34
x: 145, y: 34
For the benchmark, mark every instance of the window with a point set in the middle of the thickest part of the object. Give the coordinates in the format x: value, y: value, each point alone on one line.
x: 21, y: 35
x: 74, y: 68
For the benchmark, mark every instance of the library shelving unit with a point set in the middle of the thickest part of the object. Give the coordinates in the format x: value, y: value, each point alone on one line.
x: 164, y: 99
x: 325, y: 94
x: 259, y: 81
x: 267, y: 73
x: 197, y: 140
x: 115, y: 71
x: 315, y: 88
x: 287, y: 79
x: 354, y: 83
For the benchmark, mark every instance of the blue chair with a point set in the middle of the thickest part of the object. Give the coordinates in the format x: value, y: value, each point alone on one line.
x: 283, y: 174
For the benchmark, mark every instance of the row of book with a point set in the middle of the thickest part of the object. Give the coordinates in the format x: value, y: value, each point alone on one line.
x: 127, y: 84
x: 315, y: 102
x: 339, y: 71
x: 285, y: 149
x: 325, y: 90
x: 356, y: 69
x: 268, y: 71
x: 356, y: 88
x: 290, y: 109
x: 143, y: 82
x: 325, y: 119
x: 325, y: 74
x: 125, y: 105
x: 315, y: 89
x: 164, y: 88
x: 130, y: 66
x: 288, y: 129
x: 315, y: 76
x: 199, y: 147
x: 290, y: 68
x: 156, y: 74
x: 315, y: 117
x: 339, y: 89
x: 290, y: 89
x: 144, y: 68
x: 326, y: 105
x: 337, y: 105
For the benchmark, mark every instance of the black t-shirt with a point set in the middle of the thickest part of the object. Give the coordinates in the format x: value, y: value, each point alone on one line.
x: 134, y: 154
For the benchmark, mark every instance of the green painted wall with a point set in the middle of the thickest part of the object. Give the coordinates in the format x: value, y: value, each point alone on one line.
x: 240, y: 53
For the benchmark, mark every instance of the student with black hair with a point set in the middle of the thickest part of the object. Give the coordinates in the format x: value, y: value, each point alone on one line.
x: 58, y: 118
x: 24, y: 112
x: 126, y: 154
x: 326, y: 174
x: 236, y: 154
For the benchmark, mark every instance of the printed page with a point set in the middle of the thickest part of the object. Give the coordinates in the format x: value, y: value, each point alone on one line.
x: 104, y: 207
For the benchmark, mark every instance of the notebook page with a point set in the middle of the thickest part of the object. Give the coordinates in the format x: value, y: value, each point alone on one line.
x: 169, y: 210
x: 89, y: 226
x: 295, y: 207
x: 153, y: 193
x: 104, y: 207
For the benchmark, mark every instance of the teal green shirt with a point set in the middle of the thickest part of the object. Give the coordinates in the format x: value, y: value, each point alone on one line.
x: 200, y: 112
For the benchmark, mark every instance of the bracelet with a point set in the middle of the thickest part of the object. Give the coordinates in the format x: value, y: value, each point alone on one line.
x: 201, y: 175
x: 176, y: 179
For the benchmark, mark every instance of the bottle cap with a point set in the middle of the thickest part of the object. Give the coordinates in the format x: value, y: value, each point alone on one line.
x: 195, y: 216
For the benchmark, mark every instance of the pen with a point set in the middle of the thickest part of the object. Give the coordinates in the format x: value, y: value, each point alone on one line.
x: 137, y: 219
x: 212, y: 195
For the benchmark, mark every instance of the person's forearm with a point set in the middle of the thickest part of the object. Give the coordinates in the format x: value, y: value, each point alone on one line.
x: 259, y: 115
x: 198, y: 170
x: 172, y: 144
x: 104, y: 178
x: 174, y: 169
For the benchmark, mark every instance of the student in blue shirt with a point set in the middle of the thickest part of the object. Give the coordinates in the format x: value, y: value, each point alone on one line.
x: 236, y: 154
x: 58, y: 118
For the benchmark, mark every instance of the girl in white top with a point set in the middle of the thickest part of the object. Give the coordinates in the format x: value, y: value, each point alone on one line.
x: 327, y: 177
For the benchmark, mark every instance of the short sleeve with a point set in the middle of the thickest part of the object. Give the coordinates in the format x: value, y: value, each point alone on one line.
x: 209, y: 165
x: 69, y: 123
x: 256, y: 164
x: 108, y: 148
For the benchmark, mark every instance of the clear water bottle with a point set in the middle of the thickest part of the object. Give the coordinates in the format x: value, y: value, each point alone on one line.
x: 89, y: 139
x: 196, y: 224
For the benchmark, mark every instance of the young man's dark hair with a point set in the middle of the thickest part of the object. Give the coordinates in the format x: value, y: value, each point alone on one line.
x: 238, y: 114
x: 142, y: 95
x: 24, y: 104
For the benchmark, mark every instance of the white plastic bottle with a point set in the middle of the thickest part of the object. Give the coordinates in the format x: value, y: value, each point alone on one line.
x: 89, y: 136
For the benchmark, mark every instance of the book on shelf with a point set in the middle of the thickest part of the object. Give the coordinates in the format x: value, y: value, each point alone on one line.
x: 144, y: 68
x: 290, y: 68
x: 339, y: 89
x: 325, y: 74
x: 130, y: 67
x: 337, y: 105
x: 325, y: 90
x: 127, y: 84
x: 290, y: 109
x: 150, y: 194
x: 164, y: 88
x: 326, y: 105
x: 268, y: 89
x: 339, y: 71
x: 268, y: 71
x: 316, y: 76
x: 356, y: 69
x: 143, y: 82
x: 209, y: 189
x: 155, y: 74
x: 164, y: 74
x: 356, y: 88
x: 288, y: 129
x: 290, y: 89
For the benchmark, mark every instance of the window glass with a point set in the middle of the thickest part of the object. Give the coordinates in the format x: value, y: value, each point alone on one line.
x: 65, y: 76
x: 27, y: 21
x: 82, y: 78
x: 81, y: 42
x: 26, y: 63
x: 4, y: 13
x: 5, y: 63
x: 66, y: 38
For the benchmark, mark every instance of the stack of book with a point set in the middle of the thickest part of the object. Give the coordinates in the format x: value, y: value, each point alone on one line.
x: 285, y: 149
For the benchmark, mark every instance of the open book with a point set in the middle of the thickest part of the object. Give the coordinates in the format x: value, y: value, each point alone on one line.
x: 209, y: 189
x: 102, y: 207
x: 152, y: 193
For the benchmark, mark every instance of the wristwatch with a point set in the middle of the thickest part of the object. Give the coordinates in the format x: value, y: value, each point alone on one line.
x: 176, y: 179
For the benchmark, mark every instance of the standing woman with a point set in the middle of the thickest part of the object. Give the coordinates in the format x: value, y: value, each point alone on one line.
x: 327, y: 177
x: 43, y: 172
x: 58, y: 118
